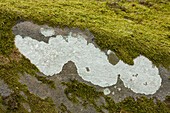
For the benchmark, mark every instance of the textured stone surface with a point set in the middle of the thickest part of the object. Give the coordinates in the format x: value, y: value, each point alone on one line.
x: 4, y: 90
x: 58, y: 96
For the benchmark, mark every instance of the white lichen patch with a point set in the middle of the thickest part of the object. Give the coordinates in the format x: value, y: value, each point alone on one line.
x: 106, y: 91
x: 142, y: 77
x: 47, y: 32
x: 119, y: 89
x: 92, y: 64
x: 109, y: 52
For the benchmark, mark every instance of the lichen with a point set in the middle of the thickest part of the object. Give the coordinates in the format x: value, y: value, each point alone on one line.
x: 47, y: 32
x: 106, y: 91
x: 50, y: 58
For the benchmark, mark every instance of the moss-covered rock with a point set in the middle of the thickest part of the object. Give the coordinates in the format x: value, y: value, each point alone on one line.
x: 127, y: 28
x: 76, y: 90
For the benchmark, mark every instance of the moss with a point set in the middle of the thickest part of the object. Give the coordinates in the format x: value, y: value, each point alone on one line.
x: 63, y: 108
x: 146, y: 33
x: 2, y: 110
x: 142, y: 104
x: 88, y: 94
x: 13, y: 83
x: 13, y: 102
x: 44, y: 80
x: 11, y: 67
x: 167, y: 100
x: 39, y: 105
x: 81, y: 90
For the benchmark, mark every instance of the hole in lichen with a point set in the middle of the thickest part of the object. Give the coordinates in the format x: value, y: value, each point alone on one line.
x: 87, y: 69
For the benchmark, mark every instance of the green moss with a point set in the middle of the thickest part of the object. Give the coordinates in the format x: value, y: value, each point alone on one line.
x: 75, y: 90
x: 12, y: 81
x: 81, y: 90
x: 63, y: 108
x: 167, y: 98
x: 9, y: 72
x: 142, y: 104
x: 13, y: 102
x: 44, y: 80
x: 39, y: 105
x: 2, y: 110
x: 88, y: 94
x: 146, y: 33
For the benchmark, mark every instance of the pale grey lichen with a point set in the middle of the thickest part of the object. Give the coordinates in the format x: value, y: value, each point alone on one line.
x: 47, y: 32
x: 106, y: 91
x: 50, y: 58
x: 119, y: 89
x: 142, y: 77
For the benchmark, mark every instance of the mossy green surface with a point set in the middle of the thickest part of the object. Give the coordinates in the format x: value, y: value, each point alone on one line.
x: 78, y: 92
x: 146, y: 33
x: 37, y: 105
x: 11, y: 70
x: 63, y: 108
x: 127, y: 28
x: 2, y: 110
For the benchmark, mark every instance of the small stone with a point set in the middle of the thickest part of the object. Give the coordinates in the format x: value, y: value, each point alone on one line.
x: 113, y: 93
